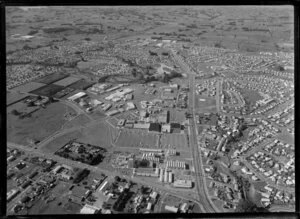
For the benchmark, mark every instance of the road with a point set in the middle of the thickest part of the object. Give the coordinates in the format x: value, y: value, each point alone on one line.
x: 99, y: 170
x: 199, y: 171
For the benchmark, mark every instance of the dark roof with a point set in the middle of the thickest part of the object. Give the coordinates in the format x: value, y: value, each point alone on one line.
x: 175, y: 126
x: 155, y: 127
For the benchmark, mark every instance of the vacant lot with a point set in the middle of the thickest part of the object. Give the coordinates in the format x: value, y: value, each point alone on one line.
x: 204, y: 102
x: 286, y: 138
x: 21, y: 107
x: 80, y: 120
x: 61, y: 141
x: 250, y: 96
x: 48, y: 90
x: 12, y: 97
x: 100, y: 134
x: 51, y: 78
x: 41, y: 124
x: 67, y: 81
x: 177, y: 116
x: 177, y: 141
x: 81, y: 84
x: 26, y: 88
x: 133, y: 138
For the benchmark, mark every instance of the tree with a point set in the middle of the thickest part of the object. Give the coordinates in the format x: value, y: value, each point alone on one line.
x: 280, y: 68
x: 134, y: 72
x: 247, y: 206
x: 15, y: 112
x: 117, y: 178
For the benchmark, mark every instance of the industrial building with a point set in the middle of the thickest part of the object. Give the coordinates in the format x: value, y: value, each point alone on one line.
x: 89, y: 209
x: 76, y: 96
x: 183, y: 184
x: 171, y: 208
x: 119, y: 94
x: 176, y: 164
x: 113, y: 112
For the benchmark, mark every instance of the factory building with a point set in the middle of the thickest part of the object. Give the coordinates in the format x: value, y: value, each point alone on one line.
x: 171, y: 208
x: 176, y: 164
x: 183, y: 184
x: 76, y: 96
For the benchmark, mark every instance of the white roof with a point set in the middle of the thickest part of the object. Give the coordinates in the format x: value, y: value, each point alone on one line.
x: 76, y: 96
x: 88, y: 209
x: 171, y: 208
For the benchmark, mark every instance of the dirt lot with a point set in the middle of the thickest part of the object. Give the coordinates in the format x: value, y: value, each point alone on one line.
x: 41, y: 124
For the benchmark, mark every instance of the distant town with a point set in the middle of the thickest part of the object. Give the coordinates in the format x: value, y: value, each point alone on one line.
x: 146, y: 123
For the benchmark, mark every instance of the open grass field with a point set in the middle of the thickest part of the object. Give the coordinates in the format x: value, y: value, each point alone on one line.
x: 28, y: 87
x: 177, y: 141
x: 208, y: 103
x: 41, y: 124
x: 67, y: 81
x: 12, y: 97
x: 172, y: 200
x: 80, y: 120
x: 177, y: 116
x: 139, y: 139
x: 48, y: 90
x: 286, y: 138
x: 21, y: 107
x: 100, y: 134
x: 48, y: 79
x: 60, y: 141
x: 250, y: 96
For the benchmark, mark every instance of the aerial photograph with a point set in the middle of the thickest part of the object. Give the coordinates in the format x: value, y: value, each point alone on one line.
x: 149, y: 109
